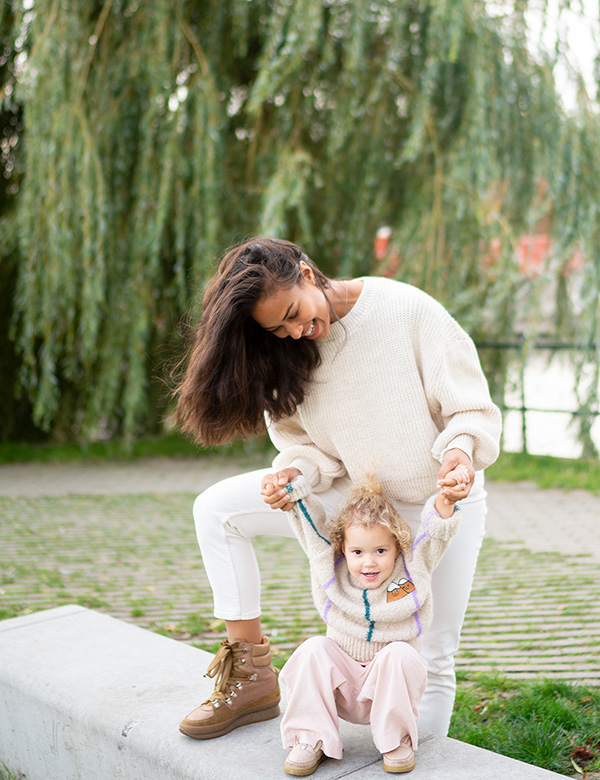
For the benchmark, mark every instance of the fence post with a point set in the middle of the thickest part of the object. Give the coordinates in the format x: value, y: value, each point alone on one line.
x: 523, y: 406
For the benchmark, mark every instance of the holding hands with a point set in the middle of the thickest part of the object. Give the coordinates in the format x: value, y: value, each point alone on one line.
x: 273, y: 490
x: 455, y: 477
x: 455, y: 480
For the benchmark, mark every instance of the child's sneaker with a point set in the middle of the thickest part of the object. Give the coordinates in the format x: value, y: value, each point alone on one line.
x: 303, y: 758
x: 402, y: 759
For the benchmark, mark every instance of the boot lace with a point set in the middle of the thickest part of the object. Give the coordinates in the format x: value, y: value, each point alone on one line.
x: 228, y: 667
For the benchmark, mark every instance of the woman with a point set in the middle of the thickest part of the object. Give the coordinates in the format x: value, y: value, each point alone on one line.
x: 352, y: 376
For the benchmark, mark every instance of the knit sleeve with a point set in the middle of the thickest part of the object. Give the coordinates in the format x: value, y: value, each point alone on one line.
x: 471, y: 421
x: 434, y: 535
x: 296, y: 450
x: 307, y: 517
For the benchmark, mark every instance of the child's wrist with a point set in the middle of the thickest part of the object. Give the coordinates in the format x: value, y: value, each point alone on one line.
x: 444, y: 506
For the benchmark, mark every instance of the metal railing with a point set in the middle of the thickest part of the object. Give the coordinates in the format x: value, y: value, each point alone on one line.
x: 519, y: 346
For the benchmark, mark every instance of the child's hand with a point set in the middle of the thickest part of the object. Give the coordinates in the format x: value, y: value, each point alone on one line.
x: 454, y: 486
x: 455, y: 482
x: 456, y: 476
x: 273, y: 489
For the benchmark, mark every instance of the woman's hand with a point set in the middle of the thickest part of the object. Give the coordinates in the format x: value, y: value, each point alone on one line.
x: 273, y: 490
x: 451, y: 489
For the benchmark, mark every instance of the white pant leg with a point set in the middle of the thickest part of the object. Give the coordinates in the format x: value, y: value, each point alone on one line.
x: 451, y: 585
x: 227, y: 516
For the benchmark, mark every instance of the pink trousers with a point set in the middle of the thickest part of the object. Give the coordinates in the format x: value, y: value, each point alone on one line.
x: 324, y: 683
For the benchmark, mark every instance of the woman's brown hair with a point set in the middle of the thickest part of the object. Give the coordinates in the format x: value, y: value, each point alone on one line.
x: 236, y: 370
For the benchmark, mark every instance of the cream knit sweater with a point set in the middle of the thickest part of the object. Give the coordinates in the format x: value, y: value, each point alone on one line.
x: 363, y: 620
x: 399, y: 384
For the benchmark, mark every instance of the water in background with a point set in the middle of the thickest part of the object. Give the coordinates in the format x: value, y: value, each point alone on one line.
x: 547, y: 386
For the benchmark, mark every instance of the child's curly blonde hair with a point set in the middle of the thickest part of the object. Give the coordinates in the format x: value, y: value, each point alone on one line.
x: 367, y: 507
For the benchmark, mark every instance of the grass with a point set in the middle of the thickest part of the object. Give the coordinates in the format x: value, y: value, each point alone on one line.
x: 546, y: 471
x: 168, y: 446
x: 550, y: 724
x: 5, y: 774
x: 14, y: 610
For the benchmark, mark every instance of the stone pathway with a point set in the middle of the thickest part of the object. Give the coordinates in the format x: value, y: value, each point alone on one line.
x: 119, y: 538
x: 535, y: 608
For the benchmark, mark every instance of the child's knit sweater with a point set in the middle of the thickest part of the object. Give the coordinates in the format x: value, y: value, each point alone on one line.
x: 362, y: 620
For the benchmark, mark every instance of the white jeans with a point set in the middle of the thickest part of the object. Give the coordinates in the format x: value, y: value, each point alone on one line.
x: 229, y: 513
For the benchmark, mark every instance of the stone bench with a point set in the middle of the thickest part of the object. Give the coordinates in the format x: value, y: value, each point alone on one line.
x: 86, y: 697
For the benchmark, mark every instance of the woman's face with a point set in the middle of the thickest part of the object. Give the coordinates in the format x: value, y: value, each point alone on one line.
x: 302, y: 311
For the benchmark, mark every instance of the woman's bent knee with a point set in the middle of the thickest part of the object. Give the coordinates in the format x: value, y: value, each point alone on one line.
x: 207, y: 516
x: 212, y: 500
x: 219, y: 502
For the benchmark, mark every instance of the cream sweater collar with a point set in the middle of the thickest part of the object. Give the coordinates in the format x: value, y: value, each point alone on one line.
x: 341, y: 328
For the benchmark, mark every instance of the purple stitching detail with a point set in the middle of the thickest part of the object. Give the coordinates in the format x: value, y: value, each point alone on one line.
x: 418, y: 541
x: 417, y: 603
x: 424, y: 535
x: 419, y: 626
x: 326, y: 610
x: 332, y: 580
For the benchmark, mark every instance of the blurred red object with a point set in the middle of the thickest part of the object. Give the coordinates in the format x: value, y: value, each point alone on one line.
x: 388, y: 258
x: 382, y: 242
x: 533, y: 253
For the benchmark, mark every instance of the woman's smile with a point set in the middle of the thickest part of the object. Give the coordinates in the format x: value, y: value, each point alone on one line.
x: 301, y: 312
x: 304, y: 311
x: 312, y: 332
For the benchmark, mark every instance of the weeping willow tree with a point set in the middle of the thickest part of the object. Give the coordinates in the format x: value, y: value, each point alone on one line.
x: 157, y: 133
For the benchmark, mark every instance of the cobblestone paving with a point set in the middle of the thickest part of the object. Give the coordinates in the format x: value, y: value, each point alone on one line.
x: 533, y: 615
x: 135, y: 557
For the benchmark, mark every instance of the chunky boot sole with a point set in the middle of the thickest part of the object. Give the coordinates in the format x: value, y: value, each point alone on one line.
x: 251, y: 715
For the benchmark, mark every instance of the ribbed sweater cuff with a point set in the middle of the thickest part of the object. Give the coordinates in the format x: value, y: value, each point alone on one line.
x: 308, y: 470
x: 364, y: 651
x: 298, y: 488
x: 463, y: 442
x: 444, y: 529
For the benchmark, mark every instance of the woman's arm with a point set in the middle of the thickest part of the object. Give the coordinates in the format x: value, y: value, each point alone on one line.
x: 471, y: 421
x: 298, y: 451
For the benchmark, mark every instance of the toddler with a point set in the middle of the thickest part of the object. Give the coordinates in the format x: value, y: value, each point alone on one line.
x: 372, y: 586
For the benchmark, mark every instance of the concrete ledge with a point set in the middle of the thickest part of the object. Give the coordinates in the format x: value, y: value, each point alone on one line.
x: 86, y: 697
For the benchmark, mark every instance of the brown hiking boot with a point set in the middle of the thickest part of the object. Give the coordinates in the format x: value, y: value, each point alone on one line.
x: 246, y: 691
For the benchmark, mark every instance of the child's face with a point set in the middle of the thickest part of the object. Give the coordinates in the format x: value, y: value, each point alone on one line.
x: 370, y: 554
